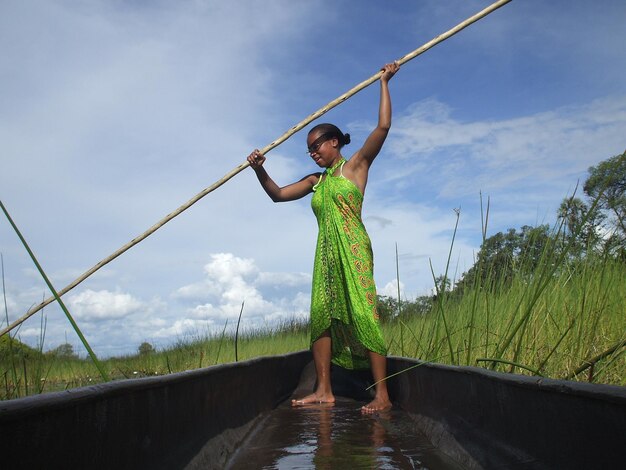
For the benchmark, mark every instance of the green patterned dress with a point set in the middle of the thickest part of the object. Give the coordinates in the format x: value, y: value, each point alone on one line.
x: 344, y: 294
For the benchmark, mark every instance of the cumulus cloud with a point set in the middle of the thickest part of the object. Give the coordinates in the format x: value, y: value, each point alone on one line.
x: 92, y: 305
x: 227, y: 278
x: 231, y: 282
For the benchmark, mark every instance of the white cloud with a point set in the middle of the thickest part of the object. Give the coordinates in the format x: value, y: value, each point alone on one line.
x: 280, y: 280
x: 227, y: 278
x: 232, y: 281
x: 197, y: 291
x: 514, y: 153
x: 182, y: 328
x: 391, y: 289
x: 226, y: 268
x: 91, y: 305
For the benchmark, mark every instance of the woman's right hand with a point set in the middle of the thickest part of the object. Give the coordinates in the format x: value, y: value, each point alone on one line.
x: 256, y: 159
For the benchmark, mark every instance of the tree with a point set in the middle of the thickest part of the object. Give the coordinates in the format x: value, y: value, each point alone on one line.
x: 421, y: 306
x: 503, y: 255
x: 607, y: 184
x: 145, y: 348
x: 534, y: 243
x: 388, y: 308
x: 572, y: 212
x: 442, y: 284
x: 600, y: 223
x: 64, y: 351
x: 580, y: 225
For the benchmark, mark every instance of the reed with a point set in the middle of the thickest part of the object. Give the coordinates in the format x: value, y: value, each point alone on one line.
x: 564, y: 318
x: 547, y: 323
x: 556, y: 316
x: 20, y: 377
x: 575, y: 329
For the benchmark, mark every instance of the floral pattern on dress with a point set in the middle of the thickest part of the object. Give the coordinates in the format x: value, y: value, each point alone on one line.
x: 343, y: 298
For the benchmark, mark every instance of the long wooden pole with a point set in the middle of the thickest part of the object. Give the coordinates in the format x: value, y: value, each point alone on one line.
x: 266, y: 149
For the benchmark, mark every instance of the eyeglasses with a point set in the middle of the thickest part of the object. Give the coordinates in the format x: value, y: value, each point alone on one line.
x: 317, y: 143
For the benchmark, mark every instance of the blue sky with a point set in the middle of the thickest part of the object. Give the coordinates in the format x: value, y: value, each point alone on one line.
x: 113, y: 114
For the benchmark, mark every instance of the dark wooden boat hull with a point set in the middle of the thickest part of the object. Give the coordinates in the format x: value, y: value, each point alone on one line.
x: 197, y: 419
x: 495, y: 420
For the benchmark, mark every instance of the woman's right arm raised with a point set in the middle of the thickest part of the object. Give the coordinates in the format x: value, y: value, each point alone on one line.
x: 290, y: 192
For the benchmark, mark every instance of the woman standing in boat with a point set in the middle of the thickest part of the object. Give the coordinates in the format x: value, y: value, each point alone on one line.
x: 344, y: 323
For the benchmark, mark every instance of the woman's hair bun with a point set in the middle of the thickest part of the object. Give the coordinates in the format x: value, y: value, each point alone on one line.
x: 331, y: 131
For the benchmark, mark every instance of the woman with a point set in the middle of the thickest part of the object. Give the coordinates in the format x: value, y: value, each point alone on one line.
x: 344, y: 322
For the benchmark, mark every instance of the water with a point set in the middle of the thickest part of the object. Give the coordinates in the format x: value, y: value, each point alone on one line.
x: 338, y: 436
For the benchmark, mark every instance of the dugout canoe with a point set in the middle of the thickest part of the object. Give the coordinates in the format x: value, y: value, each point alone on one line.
x: 197, y: 419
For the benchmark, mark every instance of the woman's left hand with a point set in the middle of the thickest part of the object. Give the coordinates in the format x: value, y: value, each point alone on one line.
x: 389, y: 71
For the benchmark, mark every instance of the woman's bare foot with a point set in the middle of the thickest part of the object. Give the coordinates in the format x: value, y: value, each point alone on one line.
x: 314, y: 398
x: 377, y: 404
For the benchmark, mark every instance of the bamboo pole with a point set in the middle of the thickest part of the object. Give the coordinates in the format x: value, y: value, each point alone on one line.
x: 265, y: 150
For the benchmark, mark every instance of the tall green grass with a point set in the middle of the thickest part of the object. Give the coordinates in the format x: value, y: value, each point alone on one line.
x: 28, y: 371
x: 560, y: 323
x: 569, y: 324
x: 554, y: 316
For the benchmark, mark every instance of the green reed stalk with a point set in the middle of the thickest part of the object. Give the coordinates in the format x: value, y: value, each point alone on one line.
x: 592, y: 361
x: 545, y: 360
x: 237, y: 332
x: 399, y: 301
x: 417, y: 341
x: 484, y: 222
x: 511, y: 363
x: 167, y: 363
x: 614, y: 356
x: 41, y: 375
x: 441, y: 291
x: 200, y: 361
x: 420, y: 364
x: 484, y: 218
x: 25, y: 375
x: 12, y: 368
x: 95, y: 360
x: 219, y: 344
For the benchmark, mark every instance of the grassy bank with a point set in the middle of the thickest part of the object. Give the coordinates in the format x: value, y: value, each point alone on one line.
x: 559, y: 321
x: 26, y: 371
x: 570, y: 323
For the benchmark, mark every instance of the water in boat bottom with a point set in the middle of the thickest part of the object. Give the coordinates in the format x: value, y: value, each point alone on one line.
x: 338, y: 436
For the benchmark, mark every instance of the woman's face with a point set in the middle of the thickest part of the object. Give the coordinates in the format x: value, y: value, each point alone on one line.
x: 322, y: 148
